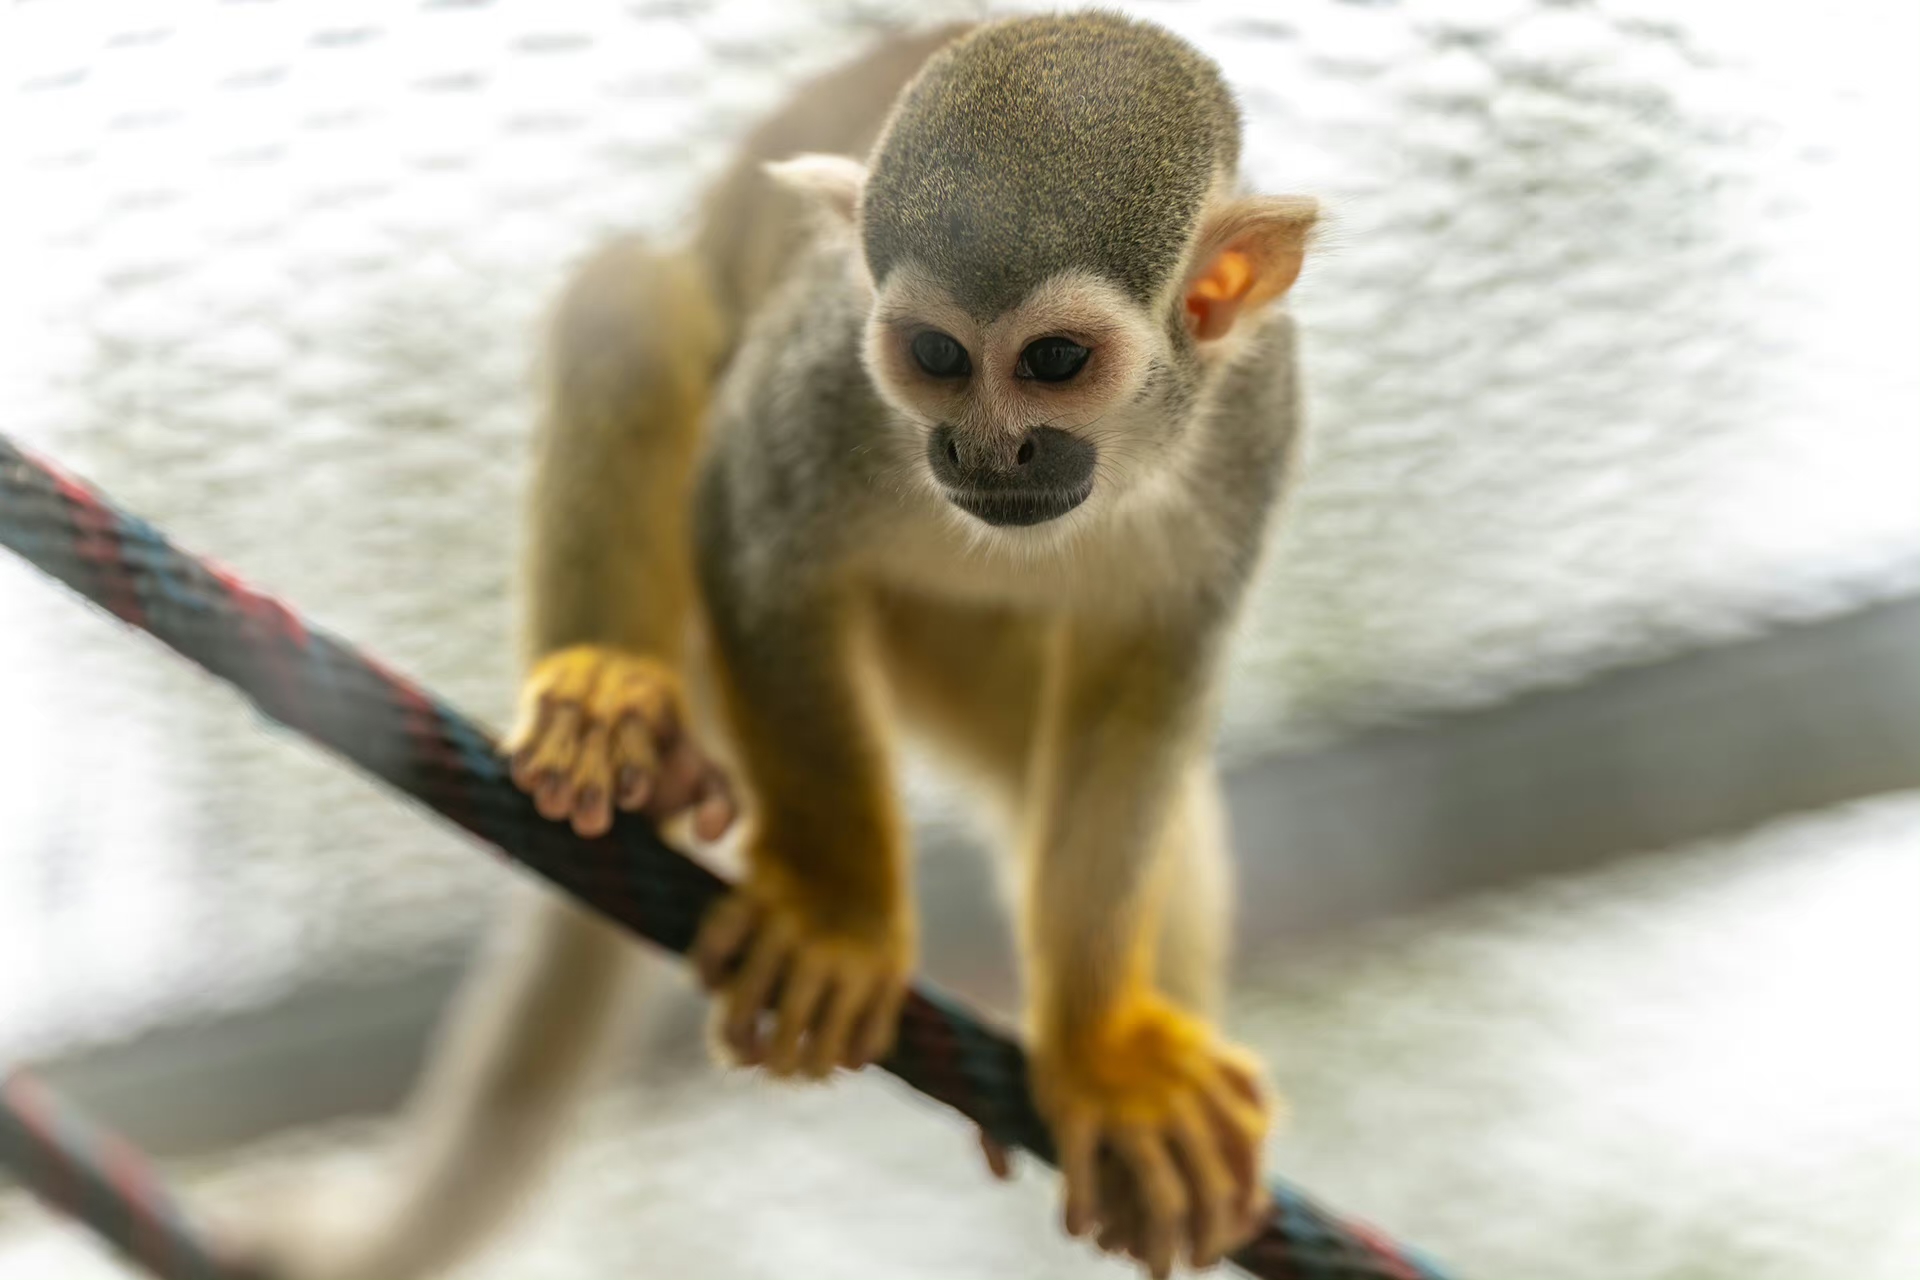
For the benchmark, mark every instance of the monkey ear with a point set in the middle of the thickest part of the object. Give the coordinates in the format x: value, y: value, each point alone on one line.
x: 833, y: 181
x: 1250, y: 253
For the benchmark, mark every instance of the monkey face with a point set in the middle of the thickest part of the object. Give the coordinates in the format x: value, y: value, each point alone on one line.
x: 1021, y: 419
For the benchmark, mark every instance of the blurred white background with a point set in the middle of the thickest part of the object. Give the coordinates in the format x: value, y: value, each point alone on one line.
x: 1611, y: 359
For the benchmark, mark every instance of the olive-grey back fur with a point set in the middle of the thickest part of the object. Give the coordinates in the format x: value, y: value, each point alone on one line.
x: 1037, y: 145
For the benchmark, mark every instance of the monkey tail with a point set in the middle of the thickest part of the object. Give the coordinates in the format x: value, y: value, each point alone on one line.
x: 520, y: 1051
x: 635, y: 345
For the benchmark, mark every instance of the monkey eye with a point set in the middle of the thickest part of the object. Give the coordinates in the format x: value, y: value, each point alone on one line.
x: 939, y: 355
x: 1051, y: 360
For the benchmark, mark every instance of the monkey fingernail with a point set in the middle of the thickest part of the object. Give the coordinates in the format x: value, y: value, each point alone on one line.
x: 753, y: 1044
x: 999, y: 1160
x: 714, y: 816
x: 553, y: 797
x: 591, y: 816
x: 632, y: 788
x: 726, y: 930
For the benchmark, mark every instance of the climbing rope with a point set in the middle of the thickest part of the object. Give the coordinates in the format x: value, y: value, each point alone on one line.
x: 393, y: 729
x: 83, y: 1170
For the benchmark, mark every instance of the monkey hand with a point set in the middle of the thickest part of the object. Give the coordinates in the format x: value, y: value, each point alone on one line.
x: 600, y: 729
x: 829, y: 978
x: 1159, y: 1126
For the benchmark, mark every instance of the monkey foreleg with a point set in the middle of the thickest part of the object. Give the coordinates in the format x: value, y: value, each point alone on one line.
x: 1158, y: 1120
x: 810, y: 955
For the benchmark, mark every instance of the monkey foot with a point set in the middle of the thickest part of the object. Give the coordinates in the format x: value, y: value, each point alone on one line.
x: 1159, y: 1127
x: 796, y: 997
x: 598, y: 730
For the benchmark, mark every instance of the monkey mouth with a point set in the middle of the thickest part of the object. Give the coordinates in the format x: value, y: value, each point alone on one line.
x: 1003, y: 508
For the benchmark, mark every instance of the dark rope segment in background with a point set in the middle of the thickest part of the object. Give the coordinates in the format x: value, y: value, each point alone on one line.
x: 322, y: 687
x: 98, y: 1178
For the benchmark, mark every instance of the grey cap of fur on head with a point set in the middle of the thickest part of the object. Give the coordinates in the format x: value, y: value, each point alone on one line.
x: 1037, y: 145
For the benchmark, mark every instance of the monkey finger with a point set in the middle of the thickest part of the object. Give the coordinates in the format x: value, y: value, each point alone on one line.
x: 870, y: 1035
x: 643, y: 691
x: 592, y: 814
x: 552, y: 765
x: 807, y: 987
x: 880, y: 1023
x: 713, y: 819
x: 663, y: 722
x: 634, y: 763
x: 1215, y: 1198
x: 633, y: 785
x: 1238, y: 1132
x: 832, y: 1042
x: 592, y: 803
x: 553, y: 796
x: 677, y: 782
x: 1240, y: 1158
x: 531, y: 712
x: 1231, y: 1112
x: 751, y: 988
x: 520, y: 769
x: 1115, y: 1238
x: 1077, y: 1143
x: 999, y: 1156
x: 555, y: 748
x: 630, y: 789
x: 1120, y: 1217
x: 715, y: 812
x: 529, y: 761
x: 1163, y: 1197
x: 1242, y: 1076
x: 1254, y: 1218
x: 536, y: 715
x: 727, y: 927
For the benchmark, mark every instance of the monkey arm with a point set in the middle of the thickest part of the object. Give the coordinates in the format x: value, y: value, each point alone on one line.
x: 1157, y: 1120
x: 607, y: 559
x: 819, y: 932
x: 1122, y: 717
x: 798, y: 696
x: 608, y: 575
x: 600, y: 567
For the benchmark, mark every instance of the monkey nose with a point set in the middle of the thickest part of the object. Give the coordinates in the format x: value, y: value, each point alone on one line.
x: 1042, y: 475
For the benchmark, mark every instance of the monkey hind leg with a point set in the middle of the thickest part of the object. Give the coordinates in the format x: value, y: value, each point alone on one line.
x: 518, y: 1052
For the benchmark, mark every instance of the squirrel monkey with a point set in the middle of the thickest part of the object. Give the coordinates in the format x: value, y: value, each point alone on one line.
x: 965, y: 412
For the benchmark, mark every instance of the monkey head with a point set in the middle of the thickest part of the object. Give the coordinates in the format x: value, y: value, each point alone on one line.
x: 1057, y: 259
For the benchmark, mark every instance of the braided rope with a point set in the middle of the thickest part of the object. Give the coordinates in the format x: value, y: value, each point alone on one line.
x: 398, y: 732
x: 95, y: 1176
